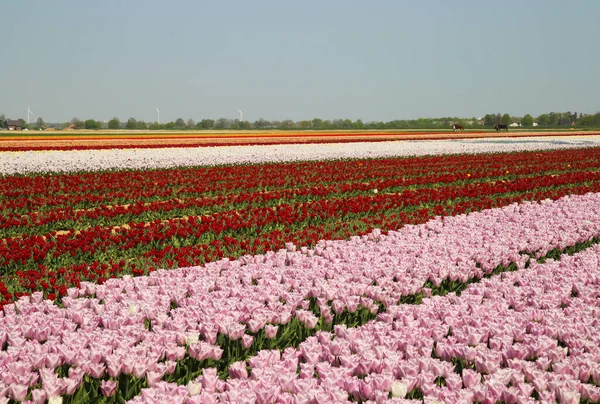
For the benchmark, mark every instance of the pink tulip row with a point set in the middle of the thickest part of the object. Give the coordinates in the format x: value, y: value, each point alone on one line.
x: 108, y: 334
x: 515, y: 338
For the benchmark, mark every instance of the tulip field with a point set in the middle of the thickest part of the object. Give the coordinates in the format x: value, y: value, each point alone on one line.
x: 444, y: 278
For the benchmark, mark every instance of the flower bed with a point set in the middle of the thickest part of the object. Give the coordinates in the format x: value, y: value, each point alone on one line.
x: 142, y: 158
x: 520, y: 337
x: 129, y: 333
x: 57, y: 231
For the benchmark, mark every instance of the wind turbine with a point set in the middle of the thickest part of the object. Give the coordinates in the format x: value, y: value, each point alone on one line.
x: 241, y: 115
x: 28, y: 113
x: 157, y: 115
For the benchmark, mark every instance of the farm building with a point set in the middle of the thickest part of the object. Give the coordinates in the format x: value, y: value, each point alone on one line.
x: 11, y: 124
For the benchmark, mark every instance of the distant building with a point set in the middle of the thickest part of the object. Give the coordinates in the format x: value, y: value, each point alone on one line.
x: 11, y: 124
x: 536, y: 124
x: 515, y: 124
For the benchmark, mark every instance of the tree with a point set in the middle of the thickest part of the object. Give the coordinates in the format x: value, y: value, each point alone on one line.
x: 131, y: 123
x: 190, y: 123
x: 346, y: 124
x: 114, y: 123
x: 261, y: 124
x: 505, y: 120
x: 553, y: 119
x: 573, y: 118
x: 179, y: 123
x: 317, y: 123
x: 543, y: 120
x: 91, y: 124
x: 288, y: 124
x: 39, y: 123
x: 527, y: 120
x: 304, y: 124
x: 141, y: 125
x: 489, y: 120
x: 222, y: 123
x: 206, y: 124
x: 77, y: 122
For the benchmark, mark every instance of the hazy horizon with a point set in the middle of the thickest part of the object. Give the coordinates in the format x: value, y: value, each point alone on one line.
x: 375, y: 61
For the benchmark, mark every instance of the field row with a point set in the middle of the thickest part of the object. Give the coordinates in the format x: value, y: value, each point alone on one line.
x: 189, y: 326
x: 147, y: 158
x: 57, y: 231
x: 129, y: 140
x: 523, y: 337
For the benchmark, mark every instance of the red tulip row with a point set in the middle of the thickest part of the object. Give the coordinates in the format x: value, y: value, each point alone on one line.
x: 249, y: 209
x: 23, y: 193
x: 46, y: 221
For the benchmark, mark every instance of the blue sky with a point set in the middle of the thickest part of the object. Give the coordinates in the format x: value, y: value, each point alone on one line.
x: 373, y: 60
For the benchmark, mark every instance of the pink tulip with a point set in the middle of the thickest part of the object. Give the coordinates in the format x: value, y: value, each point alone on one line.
x: 71, y: 386
x: 209, y: 379
x: 153, y: 378
x: 96, y: 370
x: 38, y: 396
x: 247, y: 340
x: 18, y: 392
x: 271, y: 331
x: 569, y: 397
x: 365, y: 390
x: 236, y: 331
x: 238, y: 370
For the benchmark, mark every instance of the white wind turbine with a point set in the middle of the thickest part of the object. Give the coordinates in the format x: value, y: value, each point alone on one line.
x: 241, y: 115
x: 157, y: 115
x: 29, y: 112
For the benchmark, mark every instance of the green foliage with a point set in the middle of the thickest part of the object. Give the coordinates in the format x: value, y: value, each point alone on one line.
x: 489, y: 120
x: 261, y: 124
x: 179, y: 123
x: 288, y: 124
x: 114, y: 123
x: 547, y: 120
x: 206, y: 124
x: 527, y: 121
x: 590, y: 120
x: 91, y: 124
x: 222, y: 123
x: 131, y: 123
x: 79, y: 124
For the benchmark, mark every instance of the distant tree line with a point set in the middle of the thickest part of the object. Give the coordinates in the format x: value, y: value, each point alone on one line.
x: 548, y: 120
